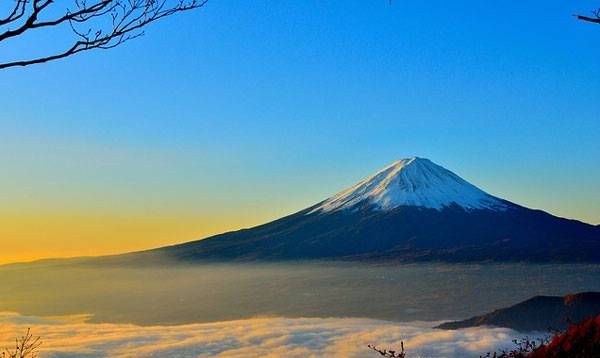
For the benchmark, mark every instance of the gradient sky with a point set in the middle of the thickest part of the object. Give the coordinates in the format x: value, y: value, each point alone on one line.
x: 242, y: 112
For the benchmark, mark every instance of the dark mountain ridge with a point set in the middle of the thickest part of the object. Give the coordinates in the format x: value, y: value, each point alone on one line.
x: 407, y: 234
x: 412, y: 210
x: 540, y: 313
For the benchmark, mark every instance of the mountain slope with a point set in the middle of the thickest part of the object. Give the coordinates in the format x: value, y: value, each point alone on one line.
x: 539, y: 313
x: 412, y: 210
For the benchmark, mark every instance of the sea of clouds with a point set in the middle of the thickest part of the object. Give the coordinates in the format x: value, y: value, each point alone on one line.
x: 73, y: 336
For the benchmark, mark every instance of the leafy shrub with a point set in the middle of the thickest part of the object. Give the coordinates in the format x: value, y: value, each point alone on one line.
x: 581, y: 340
x: 578, y: 341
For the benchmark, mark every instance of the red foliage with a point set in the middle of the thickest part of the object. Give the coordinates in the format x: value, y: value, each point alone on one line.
x: 579, y: 341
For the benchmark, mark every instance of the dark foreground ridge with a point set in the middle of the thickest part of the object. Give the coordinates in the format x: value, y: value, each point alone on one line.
x: 540, y: 313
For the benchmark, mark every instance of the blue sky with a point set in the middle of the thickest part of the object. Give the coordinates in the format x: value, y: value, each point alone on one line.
x: 253, y: 110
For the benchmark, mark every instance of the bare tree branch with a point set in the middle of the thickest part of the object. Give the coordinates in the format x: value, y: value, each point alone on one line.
x: 29, y: 23
x: 26, y: 346
x: 104, y: 24
x: 388, y: 352
x: 595, y: 18
x: 17, y: 12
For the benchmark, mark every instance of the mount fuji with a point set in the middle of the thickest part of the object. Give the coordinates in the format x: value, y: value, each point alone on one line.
x: 412, y: 210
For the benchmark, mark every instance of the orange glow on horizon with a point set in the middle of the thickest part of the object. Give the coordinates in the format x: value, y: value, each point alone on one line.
x: 38, y: 235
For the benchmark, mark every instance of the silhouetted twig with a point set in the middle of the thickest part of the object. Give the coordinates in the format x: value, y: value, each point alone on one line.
x: 98, y: 24
x: 595, y: 18
x: 388, y: 352
x: 26, y: 346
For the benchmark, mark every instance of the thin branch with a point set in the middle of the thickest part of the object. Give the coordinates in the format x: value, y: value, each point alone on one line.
x: 595, y: 18
x: 127, y: 18
x: 388, y: 352
x: 28, y: 23
x: 588, y: 19
x: 81, y: 15
x: 26, y: 346
x: 17, y: 12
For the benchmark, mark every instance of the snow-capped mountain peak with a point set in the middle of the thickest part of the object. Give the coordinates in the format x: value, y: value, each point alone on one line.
x: 412, y: 182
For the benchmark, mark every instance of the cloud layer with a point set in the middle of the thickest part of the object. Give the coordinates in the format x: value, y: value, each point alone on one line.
x: 260, y: 337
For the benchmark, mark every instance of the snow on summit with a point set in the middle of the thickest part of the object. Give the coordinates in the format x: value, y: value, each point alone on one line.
x: 413, y: 182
